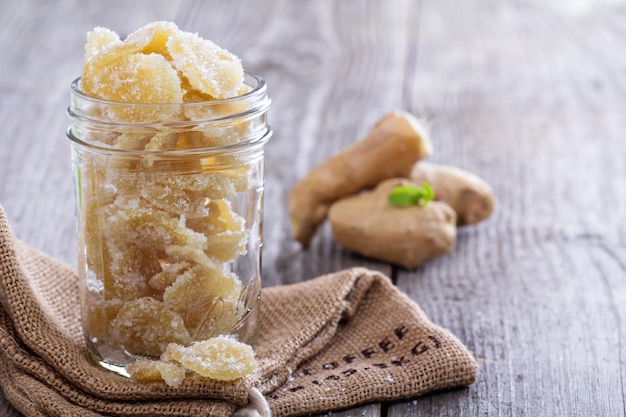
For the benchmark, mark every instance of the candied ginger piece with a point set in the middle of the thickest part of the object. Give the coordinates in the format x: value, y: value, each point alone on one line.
x: 152, y: 38
x: 136, y: 78
x: 228, y: 136
x: 210, y: 69
x: 221, y: 358
x: 168, y: 275
x: 148, y: 228
x: 167, y: 199
x: 191, y: 95
x: 200, y: 281
x: 132, y: 141
x: 221, y: 218
x: 177, y: 253
x: 162, y: 142
x: 157, y: 371
x: 125, y: 277
x: 191, y: 140
x: 227, y: 246
x: 105, y: 46
x: 179, y: 192
x: 93, y: 195
x: 194, y: 293
x: 98, y: 40
x: 99, y: 314
x: 145, y: 325
x: 204, y: 107
x: 212, y: 320
x: 224, y: 229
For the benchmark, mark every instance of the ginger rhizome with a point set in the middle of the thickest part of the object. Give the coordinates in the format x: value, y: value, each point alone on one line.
x: 395, y: 222
x: 370, y: 225
x: 388, y: 150
x: 470, y: 196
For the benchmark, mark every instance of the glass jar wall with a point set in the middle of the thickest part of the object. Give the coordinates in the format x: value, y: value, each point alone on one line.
x: 169, y: 220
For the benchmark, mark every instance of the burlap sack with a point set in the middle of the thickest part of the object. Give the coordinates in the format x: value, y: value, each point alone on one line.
x: 333, y: 342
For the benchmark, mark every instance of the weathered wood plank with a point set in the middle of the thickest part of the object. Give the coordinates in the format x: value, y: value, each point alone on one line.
x: 524, y: 97
x: 317, y: 60
x: 368, y: 410
x: 528, y: 95
x: 41, y: 45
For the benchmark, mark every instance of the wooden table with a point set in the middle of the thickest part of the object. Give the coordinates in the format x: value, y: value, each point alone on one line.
x: 529, y: 95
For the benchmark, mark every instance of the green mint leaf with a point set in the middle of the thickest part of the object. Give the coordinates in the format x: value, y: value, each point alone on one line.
x: 429, y: 193
x: 403, y: 196
x: 410, y: 195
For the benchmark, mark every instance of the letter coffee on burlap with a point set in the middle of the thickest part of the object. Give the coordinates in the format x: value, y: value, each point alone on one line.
x: 329, y: 343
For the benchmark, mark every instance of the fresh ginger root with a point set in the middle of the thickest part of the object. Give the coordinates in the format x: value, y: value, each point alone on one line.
x: 471, y: 198
x: 368, y: 224
x: 390, y: 149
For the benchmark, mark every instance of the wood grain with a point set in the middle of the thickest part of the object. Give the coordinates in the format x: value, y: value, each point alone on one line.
x: 529, y: 95
x: 528, y: 102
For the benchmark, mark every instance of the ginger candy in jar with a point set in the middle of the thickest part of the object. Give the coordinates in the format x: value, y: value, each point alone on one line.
x: 168, y: 135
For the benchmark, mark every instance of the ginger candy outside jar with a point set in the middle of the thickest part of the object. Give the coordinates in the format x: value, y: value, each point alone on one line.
x: 169, y: 220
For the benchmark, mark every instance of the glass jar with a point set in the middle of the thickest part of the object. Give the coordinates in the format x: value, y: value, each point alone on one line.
x: 169, y: 220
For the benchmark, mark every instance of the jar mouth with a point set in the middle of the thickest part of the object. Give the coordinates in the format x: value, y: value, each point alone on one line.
x: 93, y: 114
x: 250, y: 79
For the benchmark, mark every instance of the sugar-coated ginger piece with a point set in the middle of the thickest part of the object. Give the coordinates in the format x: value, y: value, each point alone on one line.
x: 129, y: 265
x: 178, y: 253
x: 218, y: 316
x: 162, y: 142
x: 204, y: 297
x: 162, y: 196
x: 152, y: 38
x: 156, y: 371
x: 191, y: 95
x: 200, y: 281
x: 227, y: 246
x: 152, y: 229
x: 135, y: 70
x: 104, y: 46
x: 221, y: 358
x: 209, y: 69
x: 93, y: 196
x: 220, y: 218
x: 182, y: 192
x: 168, y: 275
x: 130, y: 142
x: 209, y: 137
x: 145, y: 326
x: 98, y: 40
x: 470, y: 196
x: 196, y: 291
x: 388, y: 150
x: 99, y: 315
x: 136, y: 78
x: 224, y: 229
x: 370, y: 225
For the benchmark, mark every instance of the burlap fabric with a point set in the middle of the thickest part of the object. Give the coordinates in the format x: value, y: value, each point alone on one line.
x: 333, y: 342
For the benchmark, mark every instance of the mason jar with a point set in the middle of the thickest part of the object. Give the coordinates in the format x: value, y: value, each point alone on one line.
x: 169, y: 220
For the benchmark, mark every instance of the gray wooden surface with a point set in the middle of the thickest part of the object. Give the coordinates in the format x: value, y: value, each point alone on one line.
x: 530, y: 95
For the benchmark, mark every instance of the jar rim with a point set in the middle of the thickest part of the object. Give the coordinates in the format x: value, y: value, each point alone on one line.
x: 257, y: 102
x: 261, y: 86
